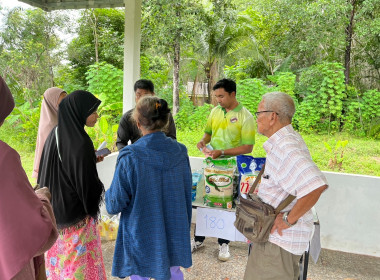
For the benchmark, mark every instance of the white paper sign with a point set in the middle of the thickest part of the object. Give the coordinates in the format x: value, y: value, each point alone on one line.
x: 315, y: 243
x: 217, y: 223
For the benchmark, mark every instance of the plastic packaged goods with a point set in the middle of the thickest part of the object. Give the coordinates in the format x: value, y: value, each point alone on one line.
x: 193, y: 195
x: 249, y: 167
x: 197, y: 176
x: 219, y: 176
x: 108, y: 227
x: 200, y: 192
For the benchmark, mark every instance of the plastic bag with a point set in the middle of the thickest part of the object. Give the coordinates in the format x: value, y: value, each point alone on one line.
x: 219, y: 176
x: 108, y: 227
x: 197, y: 176
x: 249, y: 167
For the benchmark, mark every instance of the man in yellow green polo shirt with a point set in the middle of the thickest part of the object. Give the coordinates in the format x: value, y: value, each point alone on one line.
x: 230, y: 130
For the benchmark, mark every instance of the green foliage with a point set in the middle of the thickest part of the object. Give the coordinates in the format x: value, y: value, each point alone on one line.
x: 106, y: 82
x: 163, y: 22
x: 285, y: 82
x: 104, y: 130
x: 371, y: 111
x: 361, y: 155
x: 336, y: 154
x: 362, y: 113
x: 374, y: 130
x: 24, y: 121
x: 165, y: 93
x: 322, y: 86
x: 246, y: 68
x: 66, y: 79
x: 156, y: 69
x: 29, y: 49
x: 366, y: 57
x: 191, y: 117
x: 249, y: 93
x: 190, y: 137
x: 100, y: 35
x: 352, y: 117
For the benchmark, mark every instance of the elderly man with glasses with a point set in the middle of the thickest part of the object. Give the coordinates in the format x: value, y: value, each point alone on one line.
x: 289, y: 170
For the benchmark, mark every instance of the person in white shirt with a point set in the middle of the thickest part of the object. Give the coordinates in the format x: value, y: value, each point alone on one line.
x: 289, y: 169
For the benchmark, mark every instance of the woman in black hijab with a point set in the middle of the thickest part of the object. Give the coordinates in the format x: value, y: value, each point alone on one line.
x: 68, y: 169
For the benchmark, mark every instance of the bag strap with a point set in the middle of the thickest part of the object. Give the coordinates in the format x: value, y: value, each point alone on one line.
x: 283, y: 204
x: 257, y: 180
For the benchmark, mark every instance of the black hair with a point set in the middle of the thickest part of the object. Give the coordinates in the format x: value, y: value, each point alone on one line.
x: 152, y: 113
x: 227, y: 84
x: 144, y: 84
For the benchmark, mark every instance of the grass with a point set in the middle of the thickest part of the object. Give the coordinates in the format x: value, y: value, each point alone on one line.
x: 22, y: 146
x: 361, y: 155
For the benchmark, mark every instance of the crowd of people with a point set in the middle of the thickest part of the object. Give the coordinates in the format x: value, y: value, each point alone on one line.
x: 52, y: 233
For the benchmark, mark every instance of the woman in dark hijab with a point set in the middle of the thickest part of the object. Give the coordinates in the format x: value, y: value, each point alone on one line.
x: 27, y: 224
x: 68, y: 167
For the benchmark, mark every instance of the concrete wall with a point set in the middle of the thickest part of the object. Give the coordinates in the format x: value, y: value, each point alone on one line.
x: 349, y: 211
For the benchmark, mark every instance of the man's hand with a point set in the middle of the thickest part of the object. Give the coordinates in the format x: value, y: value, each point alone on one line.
x: 279, y: 224
x: 201, y: 145
x: 215, y: 153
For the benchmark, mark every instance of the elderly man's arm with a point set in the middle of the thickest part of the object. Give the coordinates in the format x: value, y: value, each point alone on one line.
x: 303, y: 205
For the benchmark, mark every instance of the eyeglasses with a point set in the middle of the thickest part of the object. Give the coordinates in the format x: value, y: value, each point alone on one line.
x: 258, y: 113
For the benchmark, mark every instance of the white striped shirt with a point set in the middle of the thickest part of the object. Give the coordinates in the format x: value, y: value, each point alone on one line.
x: 289, y: 169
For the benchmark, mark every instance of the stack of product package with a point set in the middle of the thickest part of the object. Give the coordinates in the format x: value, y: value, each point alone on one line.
x: 225, y: 179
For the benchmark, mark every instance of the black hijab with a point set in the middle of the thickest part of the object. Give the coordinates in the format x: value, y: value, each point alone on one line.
x: 70, y: 171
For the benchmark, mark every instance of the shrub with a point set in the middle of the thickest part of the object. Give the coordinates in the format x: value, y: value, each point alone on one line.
x: 192, y: 117
x: 250, y: 91
x: 285, y: 82
x: 322, y: 91
x: 106, y: 82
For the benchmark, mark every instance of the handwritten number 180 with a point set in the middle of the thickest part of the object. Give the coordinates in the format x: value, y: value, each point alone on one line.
x: 213, y: 222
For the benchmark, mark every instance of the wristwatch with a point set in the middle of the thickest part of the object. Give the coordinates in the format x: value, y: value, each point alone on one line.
x: 222, y: 152
x: 285, y: 219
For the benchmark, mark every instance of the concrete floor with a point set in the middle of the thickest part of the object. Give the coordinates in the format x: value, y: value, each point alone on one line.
x: 332, y: 265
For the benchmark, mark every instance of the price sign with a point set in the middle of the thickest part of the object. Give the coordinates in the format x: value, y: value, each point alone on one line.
x: 217, y: 223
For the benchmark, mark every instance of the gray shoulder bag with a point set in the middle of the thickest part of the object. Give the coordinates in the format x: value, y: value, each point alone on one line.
x: 254, y: 218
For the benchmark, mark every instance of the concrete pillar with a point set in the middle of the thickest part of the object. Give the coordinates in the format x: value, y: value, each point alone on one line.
x: 132, y: 39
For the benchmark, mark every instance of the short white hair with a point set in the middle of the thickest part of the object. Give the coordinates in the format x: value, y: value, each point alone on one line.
x: 281, y: 103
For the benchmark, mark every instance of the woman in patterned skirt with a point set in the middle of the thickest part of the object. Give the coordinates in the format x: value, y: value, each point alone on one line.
x: 68, y: 169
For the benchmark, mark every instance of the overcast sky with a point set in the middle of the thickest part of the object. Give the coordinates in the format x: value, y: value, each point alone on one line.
x: 10, y: 4
x: 13, y: 3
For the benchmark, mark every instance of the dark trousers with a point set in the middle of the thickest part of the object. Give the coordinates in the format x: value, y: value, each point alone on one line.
x: 202, y: 238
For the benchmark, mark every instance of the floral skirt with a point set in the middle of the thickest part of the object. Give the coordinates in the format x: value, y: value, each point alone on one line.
x: 77, y: 254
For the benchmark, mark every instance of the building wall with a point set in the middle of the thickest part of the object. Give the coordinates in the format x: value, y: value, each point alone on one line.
x: 349, y: 211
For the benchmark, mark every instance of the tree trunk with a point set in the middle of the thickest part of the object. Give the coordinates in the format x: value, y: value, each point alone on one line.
x: 95, y: 32
x: 51, y: 73
x: 349, y: 33
x: 214, y: 74
x: 176, y: 76
x: 209, y: 86
x: 193, y: 92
